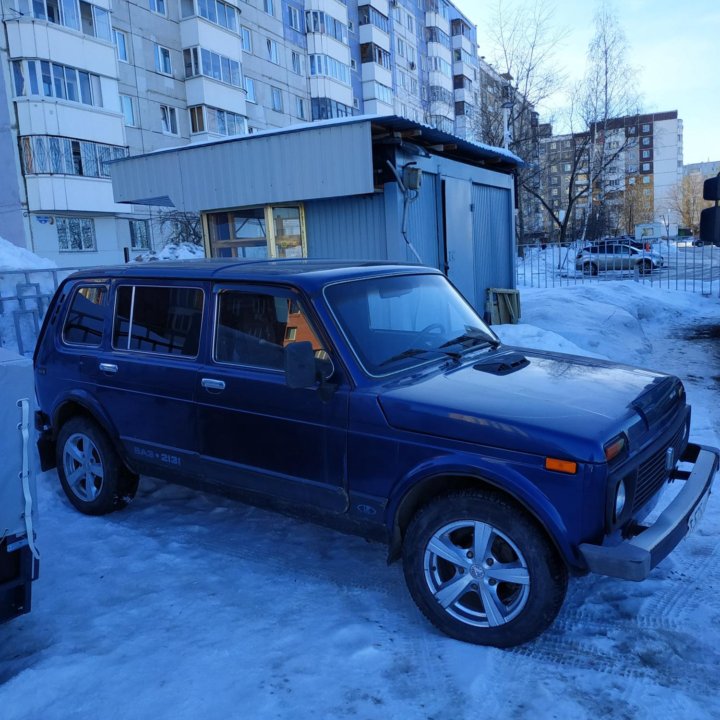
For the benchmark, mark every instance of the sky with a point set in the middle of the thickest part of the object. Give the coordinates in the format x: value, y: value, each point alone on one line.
x: 186, y: 605
x: 673, y: 44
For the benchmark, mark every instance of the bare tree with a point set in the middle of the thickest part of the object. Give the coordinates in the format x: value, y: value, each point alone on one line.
x: 687, y: 201
x: 524, y: 42
x: 179, y: 226
x: 637, y: 207
x: 605, y: 96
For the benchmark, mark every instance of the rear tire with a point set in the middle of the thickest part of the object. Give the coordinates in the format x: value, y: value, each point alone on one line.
x: 482, y: 571
x: 91, y: 473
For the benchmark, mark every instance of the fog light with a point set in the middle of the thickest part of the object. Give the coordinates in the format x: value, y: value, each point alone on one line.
x: 620, y: 498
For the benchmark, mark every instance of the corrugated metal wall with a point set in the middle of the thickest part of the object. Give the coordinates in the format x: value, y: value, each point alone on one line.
x: 492, y: 239
x: 423, y: 222
x: 351, y: 228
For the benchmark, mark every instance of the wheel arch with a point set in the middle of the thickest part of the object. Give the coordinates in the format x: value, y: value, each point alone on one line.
x: 422, y: 491
x: 79, y: 404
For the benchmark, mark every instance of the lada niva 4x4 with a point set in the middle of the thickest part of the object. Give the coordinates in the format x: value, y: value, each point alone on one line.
x: 372, y: 394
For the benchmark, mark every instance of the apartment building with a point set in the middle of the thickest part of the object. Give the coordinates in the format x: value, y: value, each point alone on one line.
x: 634, y: 163
x: 83, y: 83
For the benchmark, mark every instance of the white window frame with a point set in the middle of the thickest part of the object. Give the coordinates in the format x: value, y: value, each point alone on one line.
x: 276, y: 95
x: 249, y: 85
x: 61, y: 222
x: 273, y: 51
x: 121, y: 35
x: 161, y: 54
x: 246, y: 39
x: 169, y: 120
x: 293, y: 18
x: 159, y: 7
x: 268, y: 7
x: 127, y: 103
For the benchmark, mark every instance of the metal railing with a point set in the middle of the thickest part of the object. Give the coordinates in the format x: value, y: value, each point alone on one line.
x: 24, y: 299
x: 671, y: 264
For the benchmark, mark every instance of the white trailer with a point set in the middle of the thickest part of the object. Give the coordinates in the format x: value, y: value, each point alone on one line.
x: 19, y: 558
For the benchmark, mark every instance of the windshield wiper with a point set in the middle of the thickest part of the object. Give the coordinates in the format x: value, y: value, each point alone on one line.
x: 413, y: 352
x: 472, y: 339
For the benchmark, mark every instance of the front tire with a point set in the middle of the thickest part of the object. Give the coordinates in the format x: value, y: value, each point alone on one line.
x: 590, y: 269
x: 91, y: 473
x: 482, y: 571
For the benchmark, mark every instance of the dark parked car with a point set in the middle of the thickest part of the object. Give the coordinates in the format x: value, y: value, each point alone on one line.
x: 375, y: 395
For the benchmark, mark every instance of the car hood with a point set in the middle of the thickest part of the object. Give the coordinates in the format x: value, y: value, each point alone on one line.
x: 558, y: 405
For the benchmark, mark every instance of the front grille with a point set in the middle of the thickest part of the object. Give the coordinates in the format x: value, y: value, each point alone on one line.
x: 652, y: 472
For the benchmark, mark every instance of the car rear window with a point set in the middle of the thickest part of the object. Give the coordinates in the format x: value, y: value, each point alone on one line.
x: 155, y: 319
x: 86, y: 317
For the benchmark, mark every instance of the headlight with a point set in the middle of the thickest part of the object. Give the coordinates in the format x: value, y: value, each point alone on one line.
x: 620, y: 499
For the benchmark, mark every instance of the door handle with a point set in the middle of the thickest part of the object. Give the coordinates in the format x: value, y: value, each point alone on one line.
x: 109, y: 368
x: 212, y: 384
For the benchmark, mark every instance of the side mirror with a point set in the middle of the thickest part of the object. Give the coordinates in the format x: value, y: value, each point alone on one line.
x: 300, y: 371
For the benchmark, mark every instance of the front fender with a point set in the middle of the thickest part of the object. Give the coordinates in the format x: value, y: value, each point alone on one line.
x: 420, y: 482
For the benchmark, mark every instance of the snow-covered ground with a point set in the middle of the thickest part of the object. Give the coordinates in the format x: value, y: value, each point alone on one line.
x: 187, y: 605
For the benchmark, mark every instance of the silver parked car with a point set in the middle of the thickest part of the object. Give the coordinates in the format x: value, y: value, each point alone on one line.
x: 604, y: 256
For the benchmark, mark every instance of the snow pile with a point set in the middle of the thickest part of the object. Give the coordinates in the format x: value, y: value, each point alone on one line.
x: 13, y: 257
x: 187, y: 605
x: 173, y: 251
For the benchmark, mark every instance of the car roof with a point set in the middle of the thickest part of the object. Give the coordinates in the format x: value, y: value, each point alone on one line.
x: 305, y: 272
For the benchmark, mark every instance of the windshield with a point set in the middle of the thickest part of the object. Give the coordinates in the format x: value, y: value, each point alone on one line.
x: 395, y: 322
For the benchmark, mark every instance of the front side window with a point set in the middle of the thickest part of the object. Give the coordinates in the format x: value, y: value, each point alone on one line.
x: 163, y: 320
x: 253, y: 328
x: 76, y: 234
x: 85, y: 320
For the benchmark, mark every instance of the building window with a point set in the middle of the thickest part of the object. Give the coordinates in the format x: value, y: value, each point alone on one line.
x: 246, y: 39
x: 300, y: 108
x: 646, y: 154
x: 219, y: 13
x: 646, y: 167
x: 330, y: 67
x: 371, y: 53
x: 320, y: 22
x: 646, y: 128
x: 250, y: 90
x: 368, y: 15
x: 53, y: 155
x: 197, y: 119
x: 121, y: 45
x: 272, y: 51
x: 168, y: 119
x: 199, y: 61
x: 163, y: 64
x: 268, y: 7
x: 294, y: 18
x: 277, y: 103
x: 139, y: 234
x: 76, y: 234
x: 646, y: 141
x: 296, y: 63
x: 95, y: 21
x: 646, y: 180
x: 128, y: 110
x: 631, y: 181
x: 326, y: 108
x: 58, y: 81
x: 158, y: 6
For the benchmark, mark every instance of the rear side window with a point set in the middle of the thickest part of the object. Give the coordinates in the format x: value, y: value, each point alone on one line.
x: 164, y: 320
x: 86, y: 318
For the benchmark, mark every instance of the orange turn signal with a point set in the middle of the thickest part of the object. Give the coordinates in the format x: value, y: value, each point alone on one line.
x: 614, y: 447
x: 563, y: 466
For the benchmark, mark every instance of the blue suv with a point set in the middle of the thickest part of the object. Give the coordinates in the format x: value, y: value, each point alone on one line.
x: 374, y: 395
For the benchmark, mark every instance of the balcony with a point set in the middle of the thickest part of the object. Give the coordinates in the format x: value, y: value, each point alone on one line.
x: 196, y: 31
x: 68, y: 193
x: 203, y: 90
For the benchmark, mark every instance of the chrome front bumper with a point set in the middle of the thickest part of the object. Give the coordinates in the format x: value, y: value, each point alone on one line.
x: 634, y: 558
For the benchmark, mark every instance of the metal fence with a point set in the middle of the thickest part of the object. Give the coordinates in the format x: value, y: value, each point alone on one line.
x: 24, y: 299
x: 676, y: 265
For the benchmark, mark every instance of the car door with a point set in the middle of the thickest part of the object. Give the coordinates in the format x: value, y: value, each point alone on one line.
x: 146, y: 375
x: 255, y: 432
